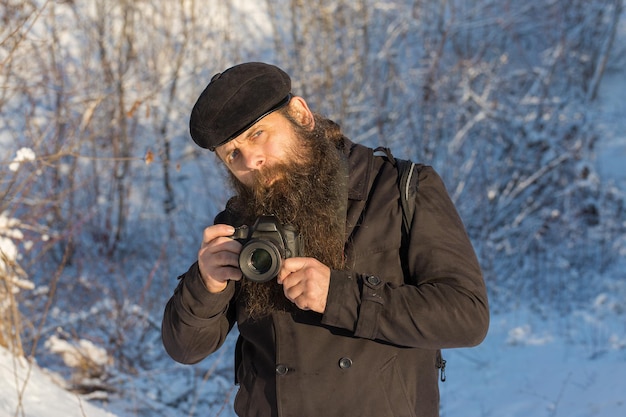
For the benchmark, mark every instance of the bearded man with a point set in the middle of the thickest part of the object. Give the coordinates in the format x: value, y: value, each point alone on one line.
x: 354, y: 323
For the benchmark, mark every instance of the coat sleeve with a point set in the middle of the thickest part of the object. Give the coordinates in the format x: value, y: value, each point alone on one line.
x: 196, y: 322
x: 442, y: 304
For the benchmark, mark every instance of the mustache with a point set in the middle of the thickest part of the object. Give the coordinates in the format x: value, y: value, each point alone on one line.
x: 266, y: 176
x: 280, y: 184
x: 280, y: 171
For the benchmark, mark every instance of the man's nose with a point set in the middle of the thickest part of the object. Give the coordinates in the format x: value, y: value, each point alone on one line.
x: 254, y: 159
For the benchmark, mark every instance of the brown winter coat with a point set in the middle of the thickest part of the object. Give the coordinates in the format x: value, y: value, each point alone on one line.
x: 374, y: 351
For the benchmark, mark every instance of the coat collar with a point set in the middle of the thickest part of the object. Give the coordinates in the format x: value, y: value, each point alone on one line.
x: 359, y: 172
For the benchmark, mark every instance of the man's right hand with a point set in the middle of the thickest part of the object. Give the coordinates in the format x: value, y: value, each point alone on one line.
x: 218, y: 257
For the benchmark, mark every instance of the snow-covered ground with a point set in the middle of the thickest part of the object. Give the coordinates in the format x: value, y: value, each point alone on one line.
x: 571, y: 367
x: 526, y: 367
x: 28, y: 391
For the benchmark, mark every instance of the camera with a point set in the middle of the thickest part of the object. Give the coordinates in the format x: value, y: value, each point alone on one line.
x: 265, y: 245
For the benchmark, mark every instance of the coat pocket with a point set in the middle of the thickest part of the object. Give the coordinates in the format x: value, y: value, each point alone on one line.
x: 395, y: 390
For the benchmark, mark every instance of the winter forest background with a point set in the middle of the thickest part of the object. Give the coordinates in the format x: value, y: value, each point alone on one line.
x: 104, y: 196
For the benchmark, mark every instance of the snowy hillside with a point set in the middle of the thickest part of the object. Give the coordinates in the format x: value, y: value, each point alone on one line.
x: 29, y: 391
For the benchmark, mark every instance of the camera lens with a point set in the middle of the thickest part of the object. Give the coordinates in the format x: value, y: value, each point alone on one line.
x: 260, y: 261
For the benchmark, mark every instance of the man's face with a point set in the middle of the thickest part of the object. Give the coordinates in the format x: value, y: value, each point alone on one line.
x: 269, y: 142
x: 288, y: 168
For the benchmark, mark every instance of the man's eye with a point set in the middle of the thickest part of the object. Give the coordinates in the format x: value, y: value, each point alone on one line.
x: 233, y: 155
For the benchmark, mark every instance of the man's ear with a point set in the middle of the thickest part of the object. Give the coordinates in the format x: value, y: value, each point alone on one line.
x: 299, y: 110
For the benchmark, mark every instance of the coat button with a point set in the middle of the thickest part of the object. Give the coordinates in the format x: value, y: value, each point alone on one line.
x: 373, y: 280
x: 345, y: 363
x: 281, y: 369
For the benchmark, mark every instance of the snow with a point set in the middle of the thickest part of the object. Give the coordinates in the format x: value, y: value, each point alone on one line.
x: 28, y: 391
x: 532, y: 363
x: 612, y: 147
x: 75, y: 356
x: 524, y: 369
x: 23, y: 155
x: 570, y: 366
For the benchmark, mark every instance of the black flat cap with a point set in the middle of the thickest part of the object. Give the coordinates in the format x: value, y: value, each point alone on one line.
x: 236, y: 99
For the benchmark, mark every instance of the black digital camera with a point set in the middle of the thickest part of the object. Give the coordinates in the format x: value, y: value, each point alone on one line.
x: 265, y: 245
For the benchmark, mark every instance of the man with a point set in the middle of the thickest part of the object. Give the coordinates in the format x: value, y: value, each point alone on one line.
x: 354, y: 324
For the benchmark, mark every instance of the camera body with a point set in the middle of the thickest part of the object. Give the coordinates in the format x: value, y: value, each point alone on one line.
x: 265, y: 245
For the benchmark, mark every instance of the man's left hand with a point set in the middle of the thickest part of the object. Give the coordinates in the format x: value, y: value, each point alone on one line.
x: 305, y: 282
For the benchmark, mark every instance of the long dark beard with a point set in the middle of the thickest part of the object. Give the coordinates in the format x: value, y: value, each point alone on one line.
x: 309, y: 195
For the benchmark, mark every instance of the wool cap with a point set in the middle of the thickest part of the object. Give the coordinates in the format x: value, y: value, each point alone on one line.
x: 236, y: 99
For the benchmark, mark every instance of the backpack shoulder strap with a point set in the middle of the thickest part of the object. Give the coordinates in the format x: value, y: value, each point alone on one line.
x: 408, y: 185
